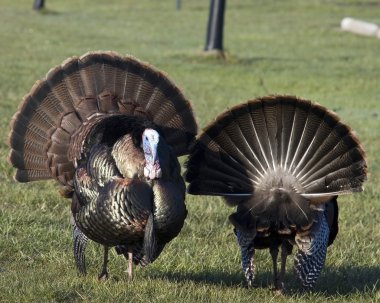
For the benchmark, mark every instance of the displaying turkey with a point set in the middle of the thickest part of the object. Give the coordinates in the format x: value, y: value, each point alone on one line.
x: 109, y: 129
x: 282, y: 162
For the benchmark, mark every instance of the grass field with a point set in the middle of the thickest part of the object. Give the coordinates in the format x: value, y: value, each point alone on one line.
x: 273, y: 47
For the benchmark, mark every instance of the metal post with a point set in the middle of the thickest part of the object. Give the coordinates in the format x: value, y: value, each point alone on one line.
x: 38, y: 4
x: 178, y: 5
x: 215, y: 26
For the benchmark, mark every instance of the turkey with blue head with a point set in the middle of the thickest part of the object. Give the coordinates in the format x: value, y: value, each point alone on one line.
x: 281, y: 162
x: 109, y: 129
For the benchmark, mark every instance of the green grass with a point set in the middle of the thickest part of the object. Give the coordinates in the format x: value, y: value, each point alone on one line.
x: 291, y: 47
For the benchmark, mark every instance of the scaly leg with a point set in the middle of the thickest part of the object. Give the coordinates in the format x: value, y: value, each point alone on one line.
x: 286, y: 250
x: 274, y: 253
x: 104, y: 274
x: 130, y: 265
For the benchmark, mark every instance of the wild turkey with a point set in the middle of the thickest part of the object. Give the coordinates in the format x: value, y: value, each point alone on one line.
x: 109, y: 129
x: 282, y: 162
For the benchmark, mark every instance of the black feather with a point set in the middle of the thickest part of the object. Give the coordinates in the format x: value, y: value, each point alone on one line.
x: 150, y: 241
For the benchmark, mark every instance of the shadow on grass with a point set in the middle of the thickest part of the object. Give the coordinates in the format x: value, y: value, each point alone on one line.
x: 358, y: 3
x: 209, y: 277
x: 201, y: 57
x: 248, y: 61
x: 349, y: 280
x: 46, y: 11
x: 333, y: 281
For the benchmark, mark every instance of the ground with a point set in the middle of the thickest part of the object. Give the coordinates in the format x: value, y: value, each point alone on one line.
x: 272, y: 47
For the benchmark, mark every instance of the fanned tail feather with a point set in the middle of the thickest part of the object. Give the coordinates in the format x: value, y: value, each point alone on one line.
x: 276, y: 138
x: 68, y: 102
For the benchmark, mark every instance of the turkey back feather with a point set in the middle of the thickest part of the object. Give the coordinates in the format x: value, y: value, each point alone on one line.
x: 49, y: 133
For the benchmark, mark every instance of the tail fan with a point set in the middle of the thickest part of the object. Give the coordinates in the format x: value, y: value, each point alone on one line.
x: 47, y: 131
x: 276, y: 142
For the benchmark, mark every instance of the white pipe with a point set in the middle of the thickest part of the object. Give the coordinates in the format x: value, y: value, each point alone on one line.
x: 360, y: 27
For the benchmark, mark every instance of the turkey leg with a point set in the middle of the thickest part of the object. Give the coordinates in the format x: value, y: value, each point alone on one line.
x: 274, y: 253
x: 286, y: 250
x: 104, y: 274
x: 130, y: 265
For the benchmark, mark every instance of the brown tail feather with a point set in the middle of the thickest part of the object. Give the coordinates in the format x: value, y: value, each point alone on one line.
x: 23, y: 175
x: 50, y: 127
